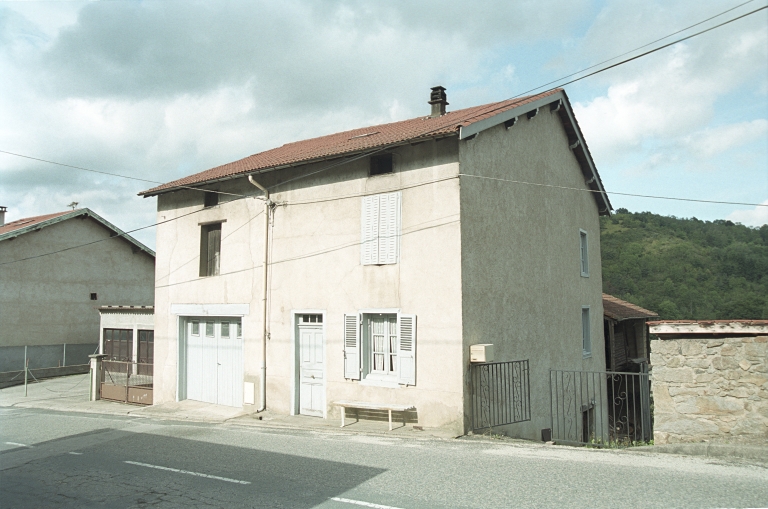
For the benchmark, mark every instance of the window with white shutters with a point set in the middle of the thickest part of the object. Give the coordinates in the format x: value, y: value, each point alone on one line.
x: 380, y: 346
x: 380, y: 229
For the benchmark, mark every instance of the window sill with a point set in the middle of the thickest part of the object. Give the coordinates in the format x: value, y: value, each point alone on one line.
x: 585, y: 355
x: 380, y: 381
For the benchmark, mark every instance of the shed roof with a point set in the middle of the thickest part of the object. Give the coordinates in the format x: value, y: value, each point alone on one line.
x: 712, y: 327
x: 29, y: 224
x: 619, y: 310
x: 464, y: 123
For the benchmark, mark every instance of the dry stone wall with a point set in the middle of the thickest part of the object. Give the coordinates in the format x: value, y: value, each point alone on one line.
x: 710, y: 389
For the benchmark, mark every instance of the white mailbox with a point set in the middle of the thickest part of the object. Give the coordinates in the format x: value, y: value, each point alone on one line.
x: 481, y: 353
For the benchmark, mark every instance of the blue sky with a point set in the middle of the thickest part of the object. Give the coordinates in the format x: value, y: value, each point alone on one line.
x: 161, y: 89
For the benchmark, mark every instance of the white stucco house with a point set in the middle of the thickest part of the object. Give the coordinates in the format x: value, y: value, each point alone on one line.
x: 56, y: 270
x: 391, y: 250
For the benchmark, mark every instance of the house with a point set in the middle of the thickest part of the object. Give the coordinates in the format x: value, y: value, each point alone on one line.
x: 391, y: 250
x: 626, y: 337
x: 55, y: 271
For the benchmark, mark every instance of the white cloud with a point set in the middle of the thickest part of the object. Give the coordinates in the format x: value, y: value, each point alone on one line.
x: 755, y: 217
x: 713, y: 141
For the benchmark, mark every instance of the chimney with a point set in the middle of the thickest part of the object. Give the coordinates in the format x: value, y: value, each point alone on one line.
x: 438, y: 100
x: 2, y: 215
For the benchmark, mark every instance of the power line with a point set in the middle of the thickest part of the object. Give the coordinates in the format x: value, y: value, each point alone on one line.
x: 612, y: 192
x: 111, y: 174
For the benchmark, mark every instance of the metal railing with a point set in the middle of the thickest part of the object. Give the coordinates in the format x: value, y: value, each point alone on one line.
x: 601, y: 408
x: 501, y: 393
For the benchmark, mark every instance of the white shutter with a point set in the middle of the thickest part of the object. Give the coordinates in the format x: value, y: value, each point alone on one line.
x: 369, y: 242
x: 406, y: 349
x: 352, y: 347
x: 389, y: 229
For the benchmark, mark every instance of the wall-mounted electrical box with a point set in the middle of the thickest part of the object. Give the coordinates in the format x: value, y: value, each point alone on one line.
x: 481, y: 353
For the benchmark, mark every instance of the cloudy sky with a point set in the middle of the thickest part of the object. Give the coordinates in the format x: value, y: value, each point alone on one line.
x: 165, y: 88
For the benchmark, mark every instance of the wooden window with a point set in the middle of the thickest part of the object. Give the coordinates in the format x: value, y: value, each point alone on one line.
x: 380, y: 229
x: 381, y: 164
x: 584, y: 253
x: 210, y: 249
x: 388, y: 347
x: 586, y: 340
x: 118, y: 344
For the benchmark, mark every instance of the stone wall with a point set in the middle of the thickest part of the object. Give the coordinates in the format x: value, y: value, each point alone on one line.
x: 710, y: 389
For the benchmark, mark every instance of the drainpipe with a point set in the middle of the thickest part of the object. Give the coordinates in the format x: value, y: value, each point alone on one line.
x: 263, y: 377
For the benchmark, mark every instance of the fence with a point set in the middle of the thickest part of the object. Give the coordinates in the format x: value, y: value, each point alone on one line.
x: 29, y: 364
x: 128, y: 382
x: 601, y: 408
x: 501, y: 393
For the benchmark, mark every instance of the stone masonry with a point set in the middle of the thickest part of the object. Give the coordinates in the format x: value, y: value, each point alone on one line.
x: 710, y: 390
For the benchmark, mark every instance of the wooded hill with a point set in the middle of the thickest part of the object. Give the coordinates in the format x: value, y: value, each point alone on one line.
x: 686, y: 268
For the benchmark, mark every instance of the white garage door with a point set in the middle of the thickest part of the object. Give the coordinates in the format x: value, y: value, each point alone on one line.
x: 214, y: 361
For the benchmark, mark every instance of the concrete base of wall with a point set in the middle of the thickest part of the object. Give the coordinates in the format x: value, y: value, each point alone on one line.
x: 9, y: 379
x: 45, y: 356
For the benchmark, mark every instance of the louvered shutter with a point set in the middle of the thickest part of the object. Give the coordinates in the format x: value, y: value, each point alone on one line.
x: 406, y: 349
x: 369, y: 242
x: 389, y: 228
x: 352, y: 347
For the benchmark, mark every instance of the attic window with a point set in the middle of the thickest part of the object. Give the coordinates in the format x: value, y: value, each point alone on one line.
x: 211, y: 199
x: 94, y: 296
x: 381, y: 164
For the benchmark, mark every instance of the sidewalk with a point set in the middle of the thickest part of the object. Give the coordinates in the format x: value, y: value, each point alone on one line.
x: 70, y: 394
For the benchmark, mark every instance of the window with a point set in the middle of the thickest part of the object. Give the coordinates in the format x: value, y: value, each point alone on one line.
x: 381, y: 164
x: 146, y: 353
x: 584, y: 253
x: 586, y: 341
x: 381, y: 347
x: 118, y: 344
x: 311, y: 318
x: 209, y: 329
x: 380, y: 242
x: 224, y: 329
x: 210, y: 249
x: 195, y: 328
x: 94, y: 296
x: 211, y: 199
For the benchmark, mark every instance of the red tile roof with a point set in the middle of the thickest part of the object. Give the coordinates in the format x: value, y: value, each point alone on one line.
x: 618, y: 309
x: 350, y: 142
x: 29, y: 221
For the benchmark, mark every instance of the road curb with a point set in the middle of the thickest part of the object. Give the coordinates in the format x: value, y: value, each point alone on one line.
x: 725, y: 451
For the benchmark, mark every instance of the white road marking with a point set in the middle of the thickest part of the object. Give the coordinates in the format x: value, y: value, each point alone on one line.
x: 178, y: 471
x: 17, y: 444
x: 76, y: 453
x: 364, y: 504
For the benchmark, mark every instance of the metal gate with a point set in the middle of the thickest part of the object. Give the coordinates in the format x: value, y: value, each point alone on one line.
x: 128, y: 382
x: 601, y: 408
x: 501, y: 393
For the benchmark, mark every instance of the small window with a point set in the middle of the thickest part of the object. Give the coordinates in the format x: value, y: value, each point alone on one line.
x: 211, y: 199
x: 210, y: 249
x: 209, y: 329
x: 239, y: 328
x: 224, y: 329
x: 195, y: 328
x: 584, y: 253
x: 94, y: 296
x: 381, y: 164
x: 311, y: 318
x: 586, y: 341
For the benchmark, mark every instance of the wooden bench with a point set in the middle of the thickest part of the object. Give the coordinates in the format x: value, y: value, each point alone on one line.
x: 373, y: 406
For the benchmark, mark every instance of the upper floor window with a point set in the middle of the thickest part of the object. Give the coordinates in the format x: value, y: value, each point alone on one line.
x: 380, y: 243
x: 381, y: 164
x: 584, y: 253
x: 210, y: 249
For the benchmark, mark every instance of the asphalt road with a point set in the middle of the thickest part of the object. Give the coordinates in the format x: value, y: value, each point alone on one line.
x: 54, y: 459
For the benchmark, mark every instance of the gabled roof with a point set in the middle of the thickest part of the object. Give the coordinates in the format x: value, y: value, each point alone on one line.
x: 465, y: 123
x: 619, y: 310
x: 29, y: 224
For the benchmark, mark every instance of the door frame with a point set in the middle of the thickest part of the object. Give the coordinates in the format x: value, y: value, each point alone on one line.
x: 295, y: 355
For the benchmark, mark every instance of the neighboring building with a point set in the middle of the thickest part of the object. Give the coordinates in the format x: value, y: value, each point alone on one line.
x: 48, y: 302
x: 626, y: 337
x: 710, y: 381
x: 127, y: 333
x: 392, y: 249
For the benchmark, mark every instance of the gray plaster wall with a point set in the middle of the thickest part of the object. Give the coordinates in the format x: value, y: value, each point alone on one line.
x: 46, y: 301
x: 522, y: 288
x: 45, y: 356
x: 315, y: 265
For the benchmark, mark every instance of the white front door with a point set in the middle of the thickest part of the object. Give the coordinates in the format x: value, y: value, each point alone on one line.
x: 214, y: 361
x: 311, y: 366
